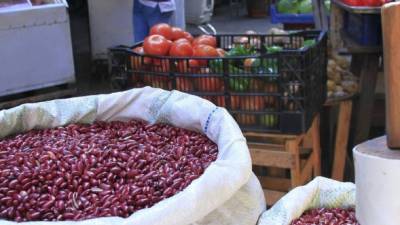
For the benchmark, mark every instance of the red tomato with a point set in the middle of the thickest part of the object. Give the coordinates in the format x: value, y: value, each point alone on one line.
x: 373, y: 2
x: 205, y: 40
x: 221, y: 52
x: 183, y: 40
x: 136, y: 61
x: 147, y: 60
x: 156, y: 45
x: 204, y: 51
x: 354, y: 2
x: 188, y: 36
x: 157, y: 80
x: 184, y: 84
x: 256, y: 103
x: 183, y: 66
x: 220, y: 101
x: 181, y: 48
x: 161, y: 65
x: 193, y: 67
x: 245, y: 119
x: 194, y: 63
x: 177, y: 33
x: 162, y: 29
x: 235, y: 102
x: 210, y: 84
x: 270, y: 101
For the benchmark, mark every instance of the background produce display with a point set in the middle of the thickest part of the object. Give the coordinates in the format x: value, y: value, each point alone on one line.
x: 81, y: 172
x: 298, y: 6
x: 341, y: 82
x: 256, y: 77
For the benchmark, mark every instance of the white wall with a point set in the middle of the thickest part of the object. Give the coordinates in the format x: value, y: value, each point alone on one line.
x: 111, y: 24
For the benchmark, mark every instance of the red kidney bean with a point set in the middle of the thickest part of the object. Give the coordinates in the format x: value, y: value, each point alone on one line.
x: 68, y: 215
x: 102, y: 169
x: 33, y: 215
x: 321, y: 216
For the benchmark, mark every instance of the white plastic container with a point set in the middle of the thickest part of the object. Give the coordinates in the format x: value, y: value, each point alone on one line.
x: 111, y: 24
x: 198, y: 12
x: 35, y: 47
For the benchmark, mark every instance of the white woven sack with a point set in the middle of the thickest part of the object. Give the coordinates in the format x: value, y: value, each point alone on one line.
x: 227, y: 193
x: 321, y: 192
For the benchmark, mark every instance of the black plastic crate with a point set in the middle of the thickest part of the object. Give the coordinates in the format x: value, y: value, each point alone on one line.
x: 270, y: 91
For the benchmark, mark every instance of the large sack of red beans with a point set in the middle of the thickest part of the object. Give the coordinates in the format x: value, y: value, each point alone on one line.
x: 140, y: 157
x: 322, y: 201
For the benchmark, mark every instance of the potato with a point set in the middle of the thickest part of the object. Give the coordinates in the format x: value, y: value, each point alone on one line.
x: 338, y: 88
x: 331, y: 85
x: 350, y: 86
x: 332, y: 63
x: 339, y: 94
x: 337, y: 78
x: 343, y: 62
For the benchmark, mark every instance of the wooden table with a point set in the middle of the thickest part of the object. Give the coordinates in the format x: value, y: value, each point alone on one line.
x: 345, y: 104
x: 300, y: 154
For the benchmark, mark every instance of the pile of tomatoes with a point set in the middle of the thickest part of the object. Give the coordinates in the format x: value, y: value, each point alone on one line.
x: 165, y: 40
x: 370, y: 3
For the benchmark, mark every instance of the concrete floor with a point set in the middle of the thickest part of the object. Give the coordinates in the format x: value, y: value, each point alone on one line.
x: 91, y: 81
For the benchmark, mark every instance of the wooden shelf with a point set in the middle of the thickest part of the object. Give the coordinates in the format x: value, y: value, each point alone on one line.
x: 297, y: 154
x: 337, y: 100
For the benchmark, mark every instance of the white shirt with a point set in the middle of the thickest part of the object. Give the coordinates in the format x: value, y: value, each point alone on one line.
x: 166, y: 6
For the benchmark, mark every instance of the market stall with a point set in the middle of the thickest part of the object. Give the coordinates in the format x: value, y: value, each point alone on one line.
x: 206, y: 129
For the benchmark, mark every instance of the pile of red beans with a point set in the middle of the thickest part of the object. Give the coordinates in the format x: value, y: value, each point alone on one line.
x: 324, y: 216
x: 80, y: 171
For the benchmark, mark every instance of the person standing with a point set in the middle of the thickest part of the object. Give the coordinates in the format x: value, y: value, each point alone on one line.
x: 147, y: 13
